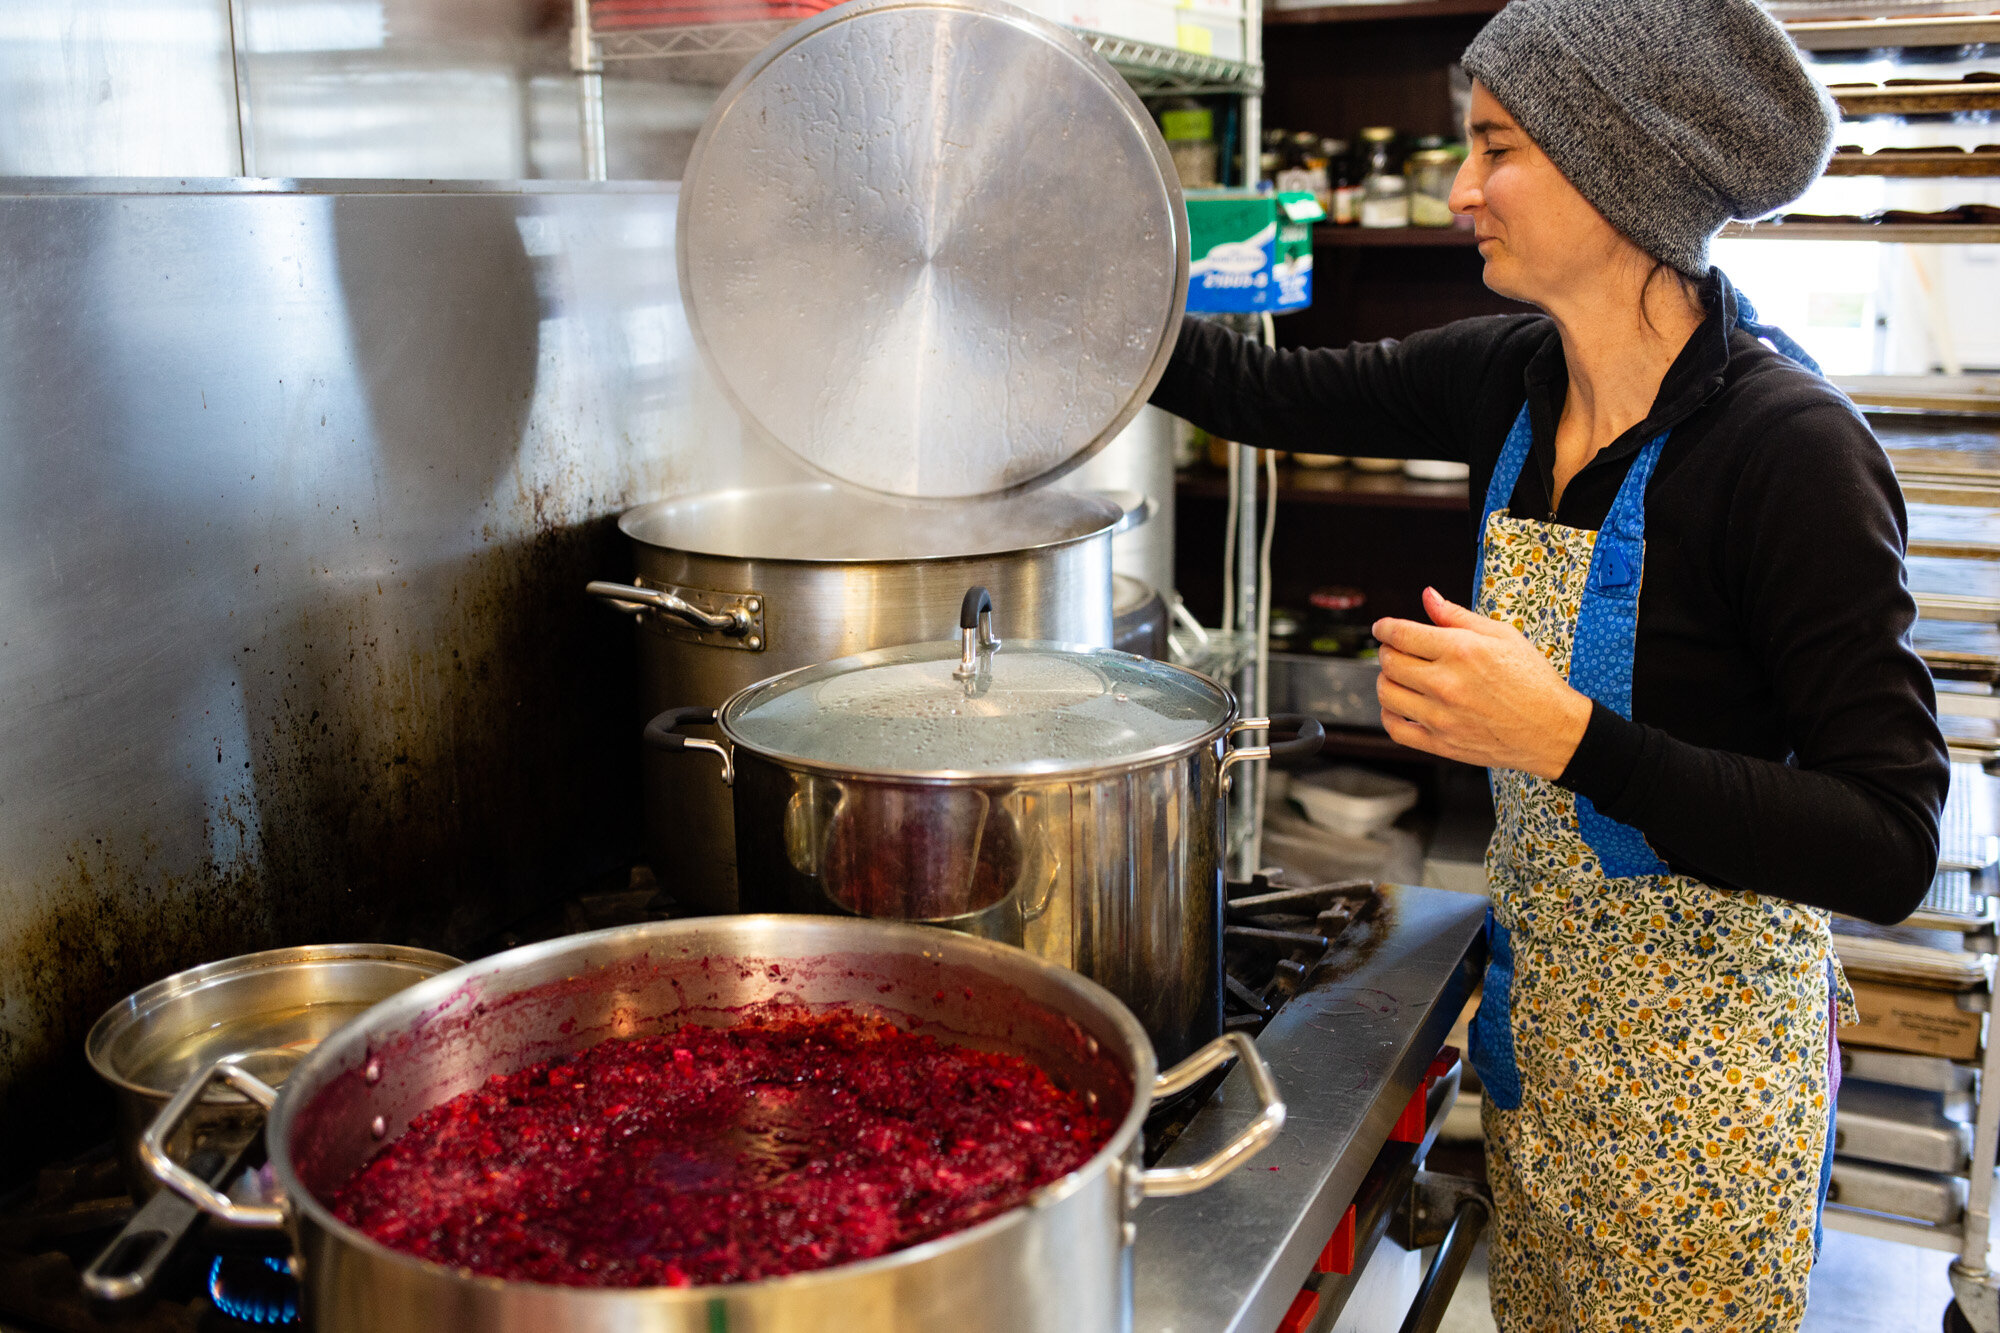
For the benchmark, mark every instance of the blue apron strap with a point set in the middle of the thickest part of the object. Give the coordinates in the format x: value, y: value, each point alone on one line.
x: 1607, y: 630
x: 1746, y: 319
x: 1500, y: 490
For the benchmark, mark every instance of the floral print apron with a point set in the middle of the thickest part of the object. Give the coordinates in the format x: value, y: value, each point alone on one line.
x: 1656, y: 1053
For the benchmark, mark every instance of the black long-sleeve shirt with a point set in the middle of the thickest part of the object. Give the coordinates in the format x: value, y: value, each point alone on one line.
x: 1783, y: 737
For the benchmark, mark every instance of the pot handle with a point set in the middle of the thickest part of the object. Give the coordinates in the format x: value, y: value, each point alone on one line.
x: 1169, y: 1181
x: 153, y: 1147
x: 663, y: 733
x: 134, y: 1258
x: 736, y: 621
x: 1139, y: 509
x: 975, y: 628
x: 1311, y: 735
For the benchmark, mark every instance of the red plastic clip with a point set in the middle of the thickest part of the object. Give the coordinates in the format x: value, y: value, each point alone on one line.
x: 1304, y: 1306
x: 1338, y: 1256
x: 1410, y: 1125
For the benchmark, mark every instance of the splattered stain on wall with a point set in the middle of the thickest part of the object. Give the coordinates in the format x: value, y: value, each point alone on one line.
x: 304, y: 490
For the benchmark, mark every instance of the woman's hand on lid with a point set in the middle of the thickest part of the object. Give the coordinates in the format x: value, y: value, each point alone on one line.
x: 1473, y: 689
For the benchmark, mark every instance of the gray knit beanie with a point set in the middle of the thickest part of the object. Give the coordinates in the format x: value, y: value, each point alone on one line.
x: 1670, y: 116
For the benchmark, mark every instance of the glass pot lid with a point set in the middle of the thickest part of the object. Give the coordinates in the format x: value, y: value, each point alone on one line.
x: 978, y: 709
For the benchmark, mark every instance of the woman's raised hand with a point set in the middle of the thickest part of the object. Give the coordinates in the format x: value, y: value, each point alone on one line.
x: 1473, y: 689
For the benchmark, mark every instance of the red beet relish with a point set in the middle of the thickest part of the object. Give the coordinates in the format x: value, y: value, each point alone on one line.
x: 715, y: 1155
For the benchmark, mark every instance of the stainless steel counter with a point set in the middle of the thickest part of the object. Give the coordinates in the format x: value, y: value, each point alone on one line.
x: 1348, y: 1054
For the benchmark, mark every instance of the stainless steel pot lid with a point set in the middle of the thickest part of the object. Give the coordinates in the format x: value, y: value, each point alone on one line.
x: 934, y: 249
x: 1026, y: 707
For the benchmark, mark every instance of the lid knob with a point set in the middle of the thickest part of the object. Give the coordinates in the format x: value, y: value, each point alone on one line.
x: 975, y: 623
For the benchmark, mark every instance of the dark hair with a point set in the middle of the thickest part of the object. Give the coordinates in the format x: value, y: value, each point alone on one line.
x: 1689, y: 287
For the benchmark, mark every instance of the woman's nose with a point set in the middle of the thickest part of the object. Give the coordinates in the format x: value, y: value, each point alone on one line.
x: 1467, y: 192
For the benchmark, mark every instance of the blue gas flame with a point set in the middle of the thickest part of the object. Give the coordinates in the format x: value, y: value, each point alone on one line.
x: 268, y: 1302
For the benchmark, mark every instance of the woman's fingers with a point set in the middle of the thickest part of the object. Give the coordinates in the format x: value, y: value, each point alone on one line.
x: 1453, y: 616
x: 1405, y: 702
x: 1418, y: 640
x: 1413, y: 735
x: 1408, y: 669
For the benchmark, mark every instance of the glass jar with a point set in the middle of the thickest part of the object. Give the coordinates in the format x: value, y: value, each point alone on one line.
x: 1287, y: 631
x: 1378, y: 151
x: 1305, y: 169
x: 1385, y: 202
x: 1271, y: 160
x: 1345, y: 176
x: 1385, y: 199
x: 1338, y: 626
x: 1333, y: 159
x: 1430, y: 174
x: 1189, y: 129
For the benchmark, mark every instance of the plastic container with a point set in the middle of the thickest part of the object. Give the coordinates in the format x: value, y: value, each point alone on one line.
x: 1355, y: 801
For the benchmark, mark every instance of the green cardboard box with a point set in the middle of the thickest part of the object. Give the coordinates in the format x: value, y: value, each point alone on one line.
x: 1250, y: 250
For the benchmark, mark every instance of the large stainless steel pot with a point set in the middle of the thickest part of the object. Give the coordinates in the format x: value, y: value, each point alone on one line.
x: 737, y: 586
x: 1060, y: 1261
x: 1067, y: 799
x: 887, y: 285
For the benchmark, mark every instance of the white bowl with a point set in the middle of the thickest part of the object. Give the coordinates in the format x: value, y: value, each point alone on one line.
x: 1431, y: 469
x: 1355, y: 801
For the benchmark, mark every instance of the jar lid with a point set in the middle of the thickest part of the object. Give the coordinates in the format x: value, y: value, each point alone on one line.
x: 1435, y: 157
x: 1378, y: 134
x: 1029, y: 707
x: 933, y: 249
x: 1339, y: 599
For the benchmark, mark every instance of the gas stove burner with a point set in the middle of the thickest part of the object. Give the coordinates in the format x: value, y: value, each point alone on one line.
x: 254, y: 1289
x: 1277, y: 934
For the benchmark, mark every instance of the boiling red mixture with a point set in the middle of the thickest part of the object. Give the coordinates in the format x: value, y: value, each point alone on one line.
x: 721, y: 1155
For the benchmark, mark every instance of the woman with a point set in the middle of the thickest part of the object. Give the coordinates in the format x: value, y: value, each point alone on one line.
x: 1687, y: 665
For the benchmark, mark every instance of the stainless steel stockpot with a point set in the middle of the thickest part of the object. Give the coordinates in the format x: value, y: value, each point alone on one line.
x: 890, y: 289
x: 1064, y: 798
x: 1059, y: 1261
x: 733, y: 587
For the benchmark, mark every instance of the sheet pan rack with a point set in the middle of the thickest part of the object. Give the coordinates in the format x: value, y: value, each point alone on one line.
x: 1916, y: 1138
x: 1928, y: 165
x: 1870, y: 33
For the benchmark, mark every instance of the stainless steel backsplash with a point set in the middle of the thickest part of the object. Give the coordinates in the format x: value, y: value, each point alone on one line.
x: 298, y: 493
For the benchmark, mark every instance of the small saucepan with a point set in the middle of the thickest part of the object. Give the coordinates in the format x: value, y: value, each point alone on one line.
x: 266, y: 1011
